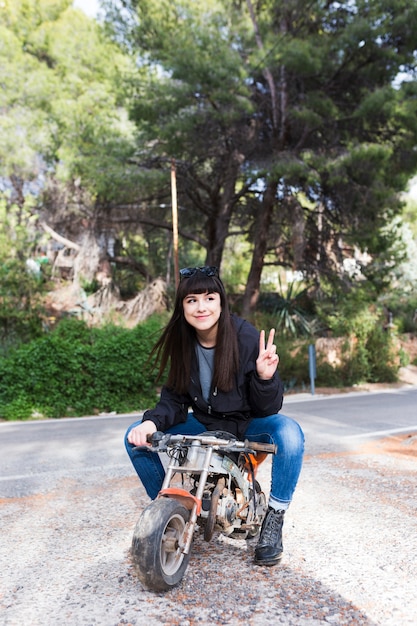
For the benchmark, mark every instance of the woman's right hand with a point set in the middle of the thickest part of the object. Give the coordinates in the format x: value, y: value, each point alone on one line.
x: 137, y: 436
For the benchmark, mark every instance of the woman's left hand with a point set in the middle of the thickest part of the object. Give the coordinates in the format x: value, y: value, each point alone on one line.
x: 268, y: 359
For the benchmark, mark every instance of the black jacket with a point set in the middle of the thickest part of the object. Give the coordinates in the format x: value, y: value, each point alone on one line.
x: 250, y: 397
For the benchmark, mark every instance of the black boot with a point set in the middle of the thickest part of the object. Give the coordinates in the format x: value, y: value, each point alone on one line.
x: 269, y: 549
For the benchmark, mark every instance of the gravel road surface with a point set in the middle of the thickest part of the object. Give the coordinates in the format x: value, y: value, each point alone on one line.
x: 350, y: 539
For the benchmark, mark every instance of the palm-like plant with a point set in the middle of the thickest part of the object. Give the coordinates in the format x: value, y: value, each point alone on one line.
x: 291, y: 317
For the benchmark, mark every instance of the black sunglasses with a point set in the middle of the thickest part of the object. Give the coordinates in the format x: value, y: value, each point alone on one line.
x: 208, y: 270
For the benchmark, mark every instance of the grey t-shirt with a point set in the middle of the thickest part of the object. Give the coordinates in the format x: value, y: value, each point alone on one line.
x: 206, y: 366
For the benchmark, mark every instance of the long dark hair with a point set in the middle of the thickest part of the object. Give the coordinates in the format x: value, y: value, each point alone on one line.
x: 176, y: 345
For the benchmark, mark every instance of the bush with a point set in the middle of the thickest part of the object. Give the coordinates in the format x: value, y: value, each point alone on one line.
x: 383, y: 359
x: 293, y: 362
x: 291, y: 310
x: 404, y: 312
x: 21, y: 286
x: 76, y: 370
x: 371, y: 357
x: 20, y: 308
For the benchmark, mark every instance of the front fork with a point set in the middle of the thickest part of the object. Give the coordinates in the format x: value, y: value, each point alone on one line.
x: 190, y: 501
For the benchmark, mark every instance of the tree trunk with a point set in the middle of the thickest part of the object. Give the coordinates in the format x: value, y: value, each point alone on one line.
x: 297, y: 229
x: 152, y: 299
x: 279, y: 105
x: 218, y: 229
x: 219, y: 222
x: 263, y: 223
x: 87, y: 261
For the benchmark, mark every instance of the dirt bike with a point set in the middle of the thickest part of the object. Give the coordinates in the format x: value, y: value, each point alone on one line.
x: 209, y: 483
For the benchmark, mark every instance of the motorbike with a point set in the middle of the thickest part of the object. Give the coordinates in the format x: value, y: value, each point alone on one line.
x: 210, y: 485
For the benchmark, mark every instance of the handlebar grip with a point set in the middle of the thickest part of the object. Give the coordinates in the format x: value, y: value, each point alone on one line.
x: 258, y: 446
x: 155, y: 438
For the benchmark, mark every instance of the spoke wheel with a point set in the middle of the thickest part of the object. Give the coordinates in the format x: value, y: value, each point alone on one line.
x: 157, y: 544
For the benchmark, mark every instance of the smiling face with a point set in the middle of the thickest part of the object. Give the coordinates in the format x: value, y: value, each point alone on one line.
x: 202, y: 311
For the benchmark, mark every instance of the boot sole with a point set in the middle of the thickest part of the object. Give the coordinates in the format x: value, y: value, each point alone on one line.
x: 269, y: 562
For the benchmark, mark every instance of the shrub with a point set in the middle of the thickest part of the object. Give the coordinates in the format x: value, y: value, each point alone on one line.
x: 403, y: 308
x: 21, y: 286
x: 76, y: 370
x: 290, y: 310
x: 293, y: 362
x: 382, y: 356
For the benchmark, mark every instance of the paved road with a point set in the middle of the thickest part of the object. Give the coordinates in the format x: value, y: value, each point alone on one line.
x: 35, y: 455
x: 343, y: 421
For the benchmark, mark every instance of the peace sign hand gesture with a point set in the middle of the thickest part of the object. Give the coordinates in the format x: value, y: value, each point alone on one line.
x: 267, y: 361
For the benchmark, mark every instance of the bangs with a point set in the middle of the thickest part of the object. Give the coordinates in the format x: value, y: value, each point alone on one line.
x: 199, y: 283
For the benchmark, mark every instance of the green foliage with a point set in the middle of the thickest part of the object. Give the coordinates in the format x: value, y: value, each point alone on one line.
x: 193, y: 84
x: 328, y: 375
x: 291, y: 310
x: 344, y: 139
x: 20, y: 286
x: 410, y: 212
x: 291, y: 316
x: 293, y: 363
x: 77, y: 370
x: 374, y: 359
x: 369, y: 350
x: 343, y: 312
x: 62, y: 102
x: 20, y: 307
x: 339, y: 144
x: 403, y: 307
x: 382, y: 357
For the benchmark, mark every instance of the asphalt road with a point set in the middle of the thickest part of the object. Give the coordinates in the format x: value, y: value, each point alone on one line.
x: 341, y: 422
x: 35, y: 455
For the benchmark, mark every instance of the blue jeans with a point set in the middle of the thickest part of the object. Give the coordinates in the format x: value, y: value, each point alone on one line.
x: 284, y: 432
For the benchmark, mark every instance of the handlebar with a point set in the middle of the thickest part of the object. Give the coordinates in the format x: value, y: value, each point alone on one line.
x: 258, y: 446
x: 160, y: 440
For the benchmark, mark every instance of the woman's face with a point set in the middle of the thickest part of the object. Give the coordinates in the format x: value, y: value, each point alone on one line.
x: 202, y: 311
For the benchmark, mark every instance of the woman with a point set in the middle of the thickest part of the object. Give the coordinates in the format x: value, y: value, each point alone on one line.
x: 221, y: 367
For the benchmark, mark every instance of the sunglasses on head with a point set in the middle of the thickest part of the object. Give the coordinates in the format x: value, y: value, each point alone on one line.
x: 208, y: 270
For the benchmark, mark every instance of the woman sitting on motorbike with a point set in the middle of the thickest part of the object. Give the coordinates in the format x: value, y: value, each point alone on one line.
x: 226, y: 371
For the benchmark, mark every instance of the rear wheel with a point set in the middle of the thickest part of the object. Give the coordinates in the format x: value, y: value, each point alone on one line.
x: 211, y: 519
x: 157, y: 542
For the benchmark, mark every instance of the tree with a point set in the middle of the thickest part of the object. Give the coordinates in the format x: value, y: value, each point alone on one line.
x: 341, y: 143
x: 283, y: 117
x: 65, y: 136
x: 192, y: 104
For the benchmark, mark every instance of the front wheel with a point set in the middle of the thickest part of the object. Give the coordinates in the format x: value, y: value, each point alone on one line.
x: 156, y: 545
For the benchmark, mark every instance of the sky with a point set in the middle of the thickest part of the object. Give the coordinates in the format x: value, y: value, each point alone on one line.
x: 88, y: 6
